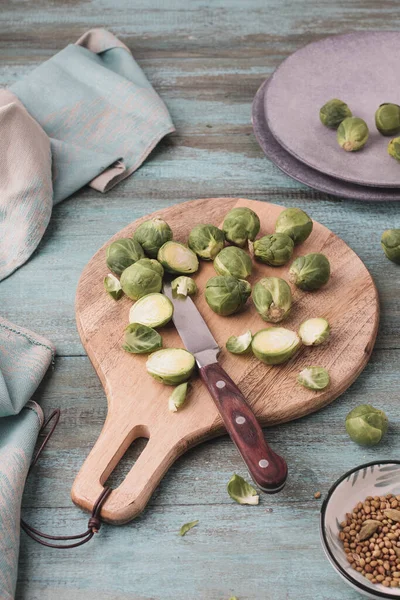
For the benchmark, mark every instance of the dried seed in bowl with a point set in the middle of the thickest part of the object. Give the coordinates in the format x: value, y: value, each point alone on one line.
x: 370, y: 535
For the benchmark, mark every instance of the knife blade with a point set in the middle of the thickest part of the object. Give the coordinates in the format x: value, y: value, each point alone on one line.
x: 267, y: 468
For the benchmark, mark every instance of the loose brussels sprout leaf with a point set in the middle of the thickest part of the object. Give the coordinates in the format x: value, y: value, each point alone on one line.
x: 275, y: 345
x: 239, y: 344
x: 366, y: 425
x: 227, y: 295
x: 177, y: 258
x: 184, y: 286
x: 112, y: 286
x: 122, y: 254
x: 241, y: 224
x: 390, y: 243
x: 241, y: 491
x: 153, y: 310
x: 152, y: 234
x: 310, y: 272
x: 142, y: 278
x: 206, y: 241
x: 314, y: 378
x: 352, y: 134
x: 333, y: 113
x: 272, y: 297
x: 187, y: 527
x: 314, y: 331
x: 140, y: 339
x: 295, y: 223
x: 275, y: 249
x: 171, y: 366
x: 178, y: 397
x: 233, y: 261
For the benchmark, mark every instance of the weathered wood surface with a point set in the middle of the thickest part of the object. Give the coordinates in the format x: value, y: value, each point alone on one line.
x: 207, y: 59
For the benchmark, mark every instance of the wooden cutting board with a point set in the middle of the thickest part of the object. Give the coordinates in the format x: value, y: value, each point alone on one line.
x: 138, y: 405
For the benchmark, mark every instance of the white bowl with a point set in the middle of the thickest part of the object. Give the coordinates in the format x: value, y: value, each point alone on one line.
x: 372, y: 479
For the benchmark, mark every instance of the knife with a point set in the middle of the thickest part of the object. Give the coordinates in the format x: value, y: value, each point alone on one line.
x: 268, y: 469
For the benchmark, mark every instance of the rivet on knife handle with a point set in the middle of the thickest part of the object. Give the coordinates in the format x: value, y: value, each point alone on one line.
x: 268, y: 469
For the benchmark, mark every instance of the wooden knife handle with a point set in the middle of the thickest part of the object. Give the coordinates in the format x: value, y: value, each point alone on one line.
x: 268, y: 469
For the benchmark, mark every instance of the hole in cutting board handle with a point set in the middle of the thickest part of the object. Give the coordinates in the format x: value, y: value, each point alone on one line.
x: 134, y: 448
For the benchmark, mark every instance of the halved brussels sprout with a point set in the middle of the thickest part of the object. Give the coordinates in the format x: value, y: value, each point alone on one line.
x: 295, y: 223
x: 272, y: 297
x: 240, y: 225
x: 206, y: 241
x: 233, y: 261
x: 142, y: 278
x: 178, y: 397
x: 140, y: 339
x: 239, y: 344
x: 275, y: 249
x: 314, y: 378
x: 171, y: 366
x: 152, y: 234
x: 275, y: 345
x: 153, y: 310
x: 310, y: 272
x: 242, y: 492
x: 314, y: 331
x: 122, y: 253
x: 226, y: 295
x: 112, y: 286
x: 184, y: 286
x: 178, y: 258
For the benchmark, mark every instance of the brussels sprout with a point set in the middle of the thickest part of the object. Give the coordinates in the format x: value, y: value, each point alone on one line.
x: 295, y: 223
x: 184, y: 286
x: 314, y: 331
x: 226, y: 295
x: 333, y: 113
x: 187, y: 527
x: 206, y: 241
x: 390, y: 243
x: 275, y: 345
x: 366, y: 425
x: 152, y: 234
x: 112, y: 286
x: 122, y: 254
x: 314, y: 378
x: 178, y: 397
x: 387, y: 118
x: 171, y: 366
x: 240, y: 225
x: 394, y: 148
x: 310, y: 272
x: 140, y: 339
x: 352, y: 134
x: 233, y: 261
x: 239, y: 344
x: 142, y: 278
x: 275, y: 249
x: 272, y: 297
x: 242, y: 492
x: 153, y: 310
x: 177, y: 258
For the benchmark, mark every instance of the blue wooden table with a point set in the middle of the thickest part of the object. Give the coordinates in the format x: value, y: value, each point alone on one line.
x: 206, y: 58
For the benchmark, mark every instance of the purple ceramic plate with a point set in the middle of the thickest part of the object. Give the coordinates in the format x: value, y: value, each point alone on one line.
x: 359, y: 68
x: 301, y: 172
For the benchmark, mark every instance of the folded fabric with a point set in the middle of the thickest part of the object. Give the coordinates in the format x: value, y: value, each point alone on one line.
x: 86, y: 116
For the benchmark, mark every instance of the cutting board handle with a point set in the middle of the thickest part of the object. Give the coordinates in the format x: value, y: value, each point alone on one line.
x: 132, y: 495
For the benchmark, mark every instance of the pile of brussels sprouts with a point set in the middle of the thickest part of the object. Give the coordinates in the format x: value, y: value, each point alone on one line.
x: 138, y: 265
x: 353, y: 132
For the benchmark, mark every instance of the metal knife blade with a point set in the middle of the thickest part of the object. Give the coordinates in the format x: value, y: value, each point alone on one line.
x: 192, y: 328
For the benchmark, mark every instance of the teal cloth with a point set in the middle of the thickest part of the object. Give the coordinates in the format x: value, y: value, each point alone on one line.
x: 86, y: 116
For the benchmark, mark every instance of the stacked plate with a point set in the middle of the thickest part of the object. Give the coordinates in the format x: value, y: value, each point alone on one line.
x: 358, y: 68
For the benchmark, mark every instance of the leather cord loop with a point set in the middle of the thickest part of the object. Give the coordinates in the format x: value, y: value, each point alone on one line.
x: 94, y: 521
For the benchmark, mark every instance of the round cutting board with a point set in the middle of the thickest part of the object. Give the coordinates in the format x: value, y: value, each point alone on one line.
x: 138, y: 405
x: 302, y: 172
x: 359, y: 68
